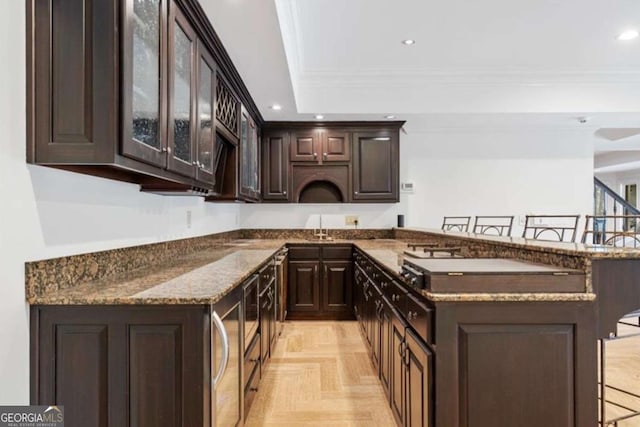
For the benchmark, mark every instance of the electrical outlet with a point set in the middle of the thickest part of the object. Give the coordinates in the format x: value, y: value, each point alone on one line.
x: 351, y: 219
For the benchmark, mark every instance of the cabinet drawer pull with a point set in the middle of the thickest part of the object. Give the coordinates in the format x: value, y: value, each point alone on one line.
x: 254, y: 360
x: 254, y: 389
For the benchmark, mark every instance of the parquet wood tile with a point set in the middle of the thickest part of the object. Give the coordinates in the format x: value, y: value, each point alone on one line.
x: 623, y: 371
x: 320, y: 375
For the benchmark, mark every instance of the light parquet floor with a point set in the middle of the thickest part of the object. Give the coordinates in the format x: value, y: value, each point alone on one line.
x: 320, y: 375
x: 623, y: 371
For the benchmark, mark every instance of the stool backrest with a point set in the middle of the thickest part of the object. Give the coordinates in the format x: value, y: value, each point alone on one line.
x: 495, y: 225
x: 456, y: 223
x: 560, y: 228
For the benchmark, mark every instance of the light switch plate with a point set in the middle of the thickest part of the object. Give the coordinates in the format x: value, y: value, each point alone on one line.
x: 407, y: 187
x: 351, y: 219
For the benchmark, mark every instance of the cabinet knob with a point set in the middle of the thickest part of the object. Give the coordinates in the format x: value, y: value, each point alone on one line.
x: 169, y: 150
x: 324, y: 155
x: 284, y: 192
x: 164, y: 150
x: 195, y: 164
x: 355, y: 192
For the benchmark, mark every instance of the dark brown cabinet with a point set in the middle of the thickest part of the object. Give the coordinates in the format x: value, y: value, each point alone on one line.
x: 336, y: 145
x: 154, y: 365
x: 402, y: 359
x: 320, y: 282
x: 320, y: 146
x: 375, y: 166
x: 275, y: 166
x: 129, y: 90
x: 305, y: 145
x: 116, y: 366
x: 337, y: 289
x: 418, y: 368
x: 331, y: 162
x: 304, y: 287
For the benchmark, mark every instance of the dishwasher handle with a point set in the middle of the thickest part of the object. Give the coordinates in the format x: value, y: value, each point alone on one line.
x: 217, y: 322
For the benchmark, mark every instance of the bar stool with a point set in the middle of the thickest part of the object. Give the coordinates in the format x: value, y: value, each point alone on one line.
x: 495, y: 225
x: 561, y: 228
x: 612, y: 230
x: 456, y: 223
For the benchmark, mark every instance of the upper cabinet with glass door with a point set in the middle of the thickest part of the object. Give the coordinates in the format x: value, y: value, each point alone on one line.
x: 144, y: 77
x: 169, y: 92
x: 207, y: 149
x: 250, y: 161
x: 182, y: 89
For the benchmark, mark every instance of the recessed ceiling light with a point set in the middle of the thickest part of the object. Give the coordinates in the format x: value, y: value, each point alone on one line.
x: 275, y: 107
x: 319, y: 116
x: 408, y: 42
x: 628, y: 35
x: 389, y: 117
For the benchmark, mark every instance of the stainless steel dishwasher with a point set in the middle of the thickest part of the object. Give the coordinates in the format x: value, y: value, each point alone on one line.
x: 227, y: 355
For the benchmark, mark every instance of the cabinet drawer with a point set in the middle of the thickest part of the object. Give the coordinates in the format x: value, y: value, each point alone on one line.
x: 420, y: 316
x: 396, y: 294
x: 336, y: 252
x: 252, y: 359
x: 304, y: 253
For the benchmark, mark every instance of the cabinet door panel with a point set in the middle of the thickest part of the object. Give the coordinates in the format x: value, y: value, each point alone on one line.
x: 398, y: 327
x: 385, y: 347
x: 337, y: 292
x: 530, y: 359
x: 419, y: 396
x: 305, y: 146
x: 304, y: 289
x: 182, y: 42
x: 275, y: 166
x: 205, y: 147
x: 336, y: 146
x: 81, y: 359
x: 249, y: 157
x: 155, y: 380
x: 375, y: 167
x: 144, y: 80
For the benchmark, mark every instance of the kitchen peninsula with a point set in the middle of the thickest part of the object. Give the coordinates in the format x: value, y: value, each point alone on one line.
x: 444, y: 358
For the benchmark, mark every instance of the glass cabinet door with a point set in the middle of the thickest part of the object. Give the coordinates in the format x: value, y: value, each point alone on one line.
x: 249, y: 182
x: 206, y: 155
x: 181, y: 94
x: 143, y: 77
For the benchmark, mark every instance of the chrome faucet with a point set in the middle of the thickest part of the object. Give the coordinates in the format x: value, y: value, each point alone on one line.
x: 317, y: 232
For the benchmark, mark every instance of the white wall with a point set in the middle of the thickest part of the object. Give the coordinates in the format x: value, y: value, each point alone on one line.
x: 48, y: 213
x: 307, y: 215
x: 504, y: 171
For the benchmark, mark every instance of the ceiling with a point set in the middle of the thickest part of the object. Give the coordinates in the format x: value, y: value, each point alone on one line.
x: 484, y: 63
